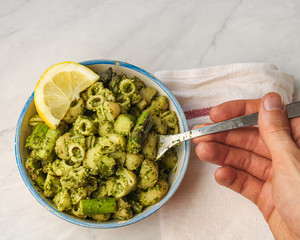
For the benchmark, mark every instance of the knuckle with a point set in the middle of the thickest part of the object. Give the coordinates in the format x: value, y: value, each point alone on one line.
x: 279, y: 131
x: 244, y: 184
x: 247, y: 161
x: 226, y: 156
x: 266, y: 172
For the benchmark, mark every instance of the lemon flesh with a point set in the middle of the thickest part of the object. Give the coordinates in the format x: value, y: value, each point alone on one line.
x: 58, y: 87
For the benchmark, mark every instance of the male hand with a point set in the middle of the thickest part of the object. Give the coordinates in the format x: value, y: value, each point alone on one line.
x: 262, y: 164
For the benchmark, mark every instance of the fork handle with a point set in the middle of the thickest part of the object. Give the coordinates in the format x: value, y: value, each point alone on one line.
x: 293, y: 110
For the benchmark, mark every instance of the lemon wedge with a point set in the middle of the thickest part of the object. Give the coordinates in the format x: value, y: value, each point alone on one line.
x: 58, y: 87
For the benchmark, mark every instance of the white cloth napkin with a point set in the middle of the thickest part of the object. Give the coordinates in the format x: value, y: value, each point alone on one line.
x: 201, y: 209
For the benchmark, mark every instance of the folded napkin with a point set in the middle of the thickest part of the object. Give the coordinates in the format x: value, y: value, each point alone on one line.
x: 202, y: 209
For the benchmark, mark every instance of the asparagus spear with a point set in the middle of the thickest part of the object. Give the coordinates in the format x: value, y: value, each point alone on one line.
x: 96, y: 206
x: 37, y: 136
x: 39, y: 177
x: 34, y: 168
x: 136, y: 207
x: 114, y: 83
x: 139, y: 132
x: 106, y: 76
x: 47, y: 145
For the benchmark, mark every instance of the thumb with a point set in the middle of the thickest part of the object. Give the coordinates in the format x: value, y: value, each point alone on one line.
x: 275, y: 130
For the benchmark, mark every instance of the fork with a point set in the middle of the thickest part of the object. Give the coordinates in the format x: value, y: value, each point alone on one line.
x: 165, y: 142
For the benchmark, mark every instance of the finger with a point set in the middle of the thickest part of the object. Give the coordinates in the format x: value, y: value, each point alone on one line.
x: 245, y: 138
x: 238, y: 108
x: 240, y: 182
x: 276, y: 133
x: 234, y: 109
x: 295, y: 128
x: 247, y: 161
x: 265, y: 201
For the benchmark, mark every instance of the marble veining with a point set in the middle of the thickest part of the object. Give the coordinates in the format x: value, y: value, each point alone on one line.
x: 219, y: 31
x: 154, y: 35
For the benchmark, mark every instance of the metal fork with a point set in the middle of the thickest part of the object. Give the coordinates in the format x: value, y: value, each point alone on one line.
x: 167, y: 141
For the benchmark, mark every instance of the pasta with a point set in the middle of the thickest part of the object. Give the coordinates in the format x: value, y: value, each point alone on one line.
x: 149, y: 146
x: 76, y: 152
x: 35, y: 120
x: 100, y: 163
x: 127, y: 87
x: 75, y: 110
x: 84, y: 125
x: 94, y: 101
x: 133, y: 161
x: 148, y: 174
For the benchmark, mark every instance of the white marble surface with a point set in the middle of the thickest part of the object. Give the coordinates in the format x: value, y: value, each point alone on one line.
x: 155, y: 35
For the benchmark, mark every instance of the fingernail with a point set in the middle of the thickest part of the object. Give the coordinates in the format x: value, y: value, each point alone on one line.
x: 273, y: 102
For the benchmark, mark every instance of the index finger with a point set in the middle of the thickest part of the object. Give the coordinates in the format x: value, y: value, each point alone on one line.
x: 234, y: 109
x: 237, y: 108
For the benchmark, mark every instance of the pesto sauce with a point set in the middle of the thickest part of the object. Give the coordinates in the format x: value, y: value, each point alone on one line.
x: 96, y: 166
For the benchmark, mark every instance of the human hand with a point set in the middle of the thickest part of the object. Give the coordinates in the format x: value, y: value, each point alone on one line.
x: 262, y: 164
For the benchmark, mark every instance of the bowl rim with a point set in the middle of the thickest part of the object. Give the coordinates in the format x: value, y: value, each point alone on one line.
x: 104, y: 225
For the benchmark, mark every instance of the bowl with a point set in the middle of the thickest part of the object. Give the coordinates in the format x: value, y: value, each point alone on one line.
x: 175, y: 178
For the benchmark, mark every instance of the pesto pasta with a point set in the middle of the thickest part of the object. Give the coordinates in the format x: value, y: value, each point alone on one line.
x: 100, y: 163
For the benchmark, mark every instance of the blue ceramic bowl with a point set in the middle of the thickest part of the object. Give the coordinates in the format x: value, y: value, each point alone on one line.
x: 176, y: 176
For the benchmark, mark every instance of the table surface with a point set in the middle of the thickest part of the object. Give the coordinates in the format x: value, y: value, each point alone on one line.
x: 155, y: 35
